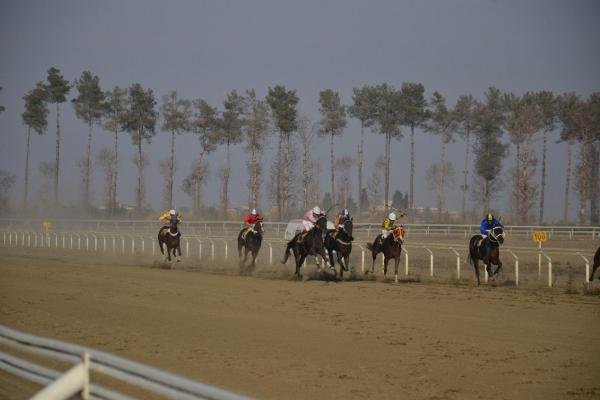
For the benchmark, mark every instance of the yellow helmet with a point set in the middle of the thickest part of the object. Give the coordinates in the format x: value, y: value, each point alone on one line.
x: 490, y: 217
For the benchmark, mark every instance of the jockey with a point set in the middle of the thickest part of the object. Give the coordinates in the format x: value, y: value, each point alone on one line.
x: 250, y: 220
x: 489, y: 223
x: 310, y: 218
x: 341, y: 217
x: 173, y: 218
x: 388, y: 224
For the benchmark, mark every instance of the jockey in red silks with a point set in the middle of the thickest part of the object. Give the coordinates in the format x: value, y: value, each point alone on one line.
x: 250, y: 220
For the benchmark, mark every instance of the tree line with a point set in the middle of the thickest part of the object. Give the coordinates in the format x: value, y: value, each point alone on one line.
x: 383, y: 109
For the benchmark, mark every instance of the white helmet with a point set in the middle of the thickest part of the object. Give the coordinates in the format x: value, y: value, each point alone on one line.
x: 392, y: 216
x: 316, y: 210
x: 253, y: 211
x: 172, y: 212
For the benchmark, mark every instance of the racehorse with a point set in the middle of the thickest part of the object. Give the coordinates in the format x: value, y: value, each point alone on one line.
x: 250, y: 243
x: 596, y: 264
x: 170, y: 237
x: 391, y: 247
x: 307, y: 244
x: 341, y: 244
x: 488, y: 250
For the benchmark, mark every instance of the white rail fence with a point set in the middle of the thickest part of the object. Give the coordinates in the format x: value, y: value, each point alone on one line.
x: 77, y: 379
x: 277, y: 229
x: 198, y: 248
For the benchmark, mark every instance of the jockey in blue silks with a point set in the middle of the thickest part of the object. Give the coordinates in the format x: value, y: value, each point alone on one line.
x: 488, y: 224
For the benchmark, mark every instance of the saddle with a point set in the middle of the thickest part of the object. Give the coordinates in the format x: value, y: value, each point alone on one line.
x: 168, y: 229
x: 302, y: 236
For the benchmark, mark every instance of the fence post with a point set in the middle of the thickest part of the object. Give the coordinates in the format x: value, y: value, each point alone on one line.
x: 187, y: 247
x: 225, y: 241
x: 516, y: 267
x: 270, y: 253
x: 153, y: 247
x: 549, y: 269
x: 199, y: 248
x: 587, y: 268
x: 405, y: 261
x: 212, y: 250
x: 457, y: 263
x: 430, y: 261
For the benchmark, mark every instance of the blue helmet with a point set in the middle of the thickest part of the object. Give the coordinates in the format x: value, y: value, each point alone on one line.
x: 345, y: 212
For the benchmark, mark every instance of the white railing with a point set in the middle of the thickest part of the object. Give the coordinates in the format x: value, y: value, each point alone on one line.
x: 77, y: 379
x: 140, y: 244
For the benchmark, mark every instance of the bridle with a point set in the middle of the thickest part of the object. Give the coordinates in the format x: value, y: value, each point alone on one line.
x: 494, y: 238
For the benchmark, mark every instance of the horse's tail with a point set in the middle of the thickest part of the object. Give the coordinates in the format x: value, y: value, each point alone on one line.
x: 287, y: 251
x: 471, y: 256
x: 370, y: 246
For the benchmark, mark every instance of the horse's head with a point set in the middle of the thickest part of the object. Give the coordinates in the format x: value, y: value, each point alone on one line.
x: 321, y: 223
x: 258, y: 227
x: 399, y: 233
x: 497, y: 235
x: 348, y: 226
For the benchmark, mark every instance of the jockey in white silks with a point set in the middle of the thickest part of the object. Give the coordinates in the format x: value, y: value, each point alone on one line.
x: 310, y: 218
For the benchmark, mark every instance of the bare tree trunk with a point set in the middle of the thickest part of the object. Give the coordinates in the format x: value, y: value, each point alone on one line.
x: 567, y: 184
x: 543, y: 185
x: 486, y: 196
x: 88, y: 167
x: 140, y: 188
x: 411, y: 197
x: 226, y: 181
x: 466, y: 175
x: 333, y: 194
x: 517, y: 177
x: 594, y: 192
x: 171, y: 170
x: 279, y: 177
x: 305, y: 177
x: 360, y: 164
x: 254, y: 176
x: 286, y: 176
x: 57, y: 160
x: 26, y: 188
x: 441, y: 182
x: 388, y: 142
x: 113, y: 198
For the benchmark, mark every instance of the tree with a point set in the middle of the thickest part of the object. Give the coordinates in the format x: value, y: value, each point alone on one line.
x: 306, y: 134
x: 344, y: 164
x: 463, y: 115
x: 374, y: 184
x: 399, y: 200
x: 89, y: 107
x: 332, y: 124
x: 7, y: 180
x: 414, y: 115
x: 388, y: 116
x: 34, y: 117
x: 57, y: 89
x: 523, y: 121
x: 547, y: 104
x: 363, y: 109
x: 106, y: 160
x: 442, y: 123
x: 114, y: 117
x: 2, y: 108
x: 567, y: 104
x: 256, y: 129
x: 284, y: 112
x: 327, y: 202
x: 230, y: 133
x: 140, y: 121
x: 205, y: 126
x: 46, y: 169
x: 177, y: 114
x: 439, y: 177
x: 489, y: 119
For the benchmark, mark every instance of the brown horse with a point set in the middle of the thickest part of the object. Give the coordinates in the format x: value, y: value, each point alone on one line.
x: 391, y: 247
x: 170, y: 237
x: 307, y: 244
x: 251, y: 243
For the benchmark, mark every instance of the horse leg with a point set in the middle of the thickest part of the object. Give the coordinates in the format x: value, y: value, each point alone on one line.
x: 396, y: 262
x: 299, y: 262
x: 254, y: 255
x: 168, y: 253
x: 488, y: 268
x: 160, y: 245
x: 385, y: 265
x: 332, y: 262
x: 499, y: 265
x: 476, y: 266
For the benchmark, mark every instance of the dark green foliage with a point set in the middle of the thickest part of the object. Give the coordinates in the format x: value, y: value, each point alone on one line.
x: 176, y: 113
x: 205, y: 125
x: 89, y: 104
x: 57, y: 87
x: 333, y: 113
x: 231, y: 121
x: 413, y: 104
x: 36, y: 111
x: 388, y: 109
x: 115, y: 107
x: 7, y: 180
x: 140, y: 117
x: 364, y: 105
x: 283, y: 104
x: 442, y: 121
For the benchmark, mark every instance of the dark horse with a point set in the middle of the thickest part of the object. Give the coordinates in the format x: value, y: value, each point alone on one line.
x: 170, y: 237
x: 250, y: 243
x: 341, y: 243
x: 488, y: 251
x: 309, y: 244
x: 596, y: 264
x: 391, y: 247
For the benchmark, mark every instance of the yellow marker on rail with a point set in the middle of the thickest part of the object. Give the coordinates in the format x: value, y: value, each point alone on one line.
x: 46, y: 225
x: 539, y: 236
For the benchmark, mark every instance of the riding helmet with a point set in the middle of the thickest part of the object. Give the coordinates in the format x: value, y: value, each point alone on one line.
x: 490, y: 217
x: 316, y: 210
x: 392, y: 216
x: 172, y: 212
x: 254, y: 211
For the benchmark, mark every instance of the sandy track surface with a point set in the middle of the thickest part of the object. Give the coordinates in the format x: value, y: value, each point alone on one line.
x: 274, y: 338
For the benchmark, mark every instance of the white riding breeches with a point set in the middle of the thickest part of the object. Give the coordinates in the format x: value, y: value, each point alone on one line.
x: 307, y: 225
x: 384, y: 233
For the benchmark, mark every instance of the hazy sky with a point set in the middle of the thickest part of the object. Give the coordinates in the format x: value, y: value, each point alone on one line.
x: 205, y: 49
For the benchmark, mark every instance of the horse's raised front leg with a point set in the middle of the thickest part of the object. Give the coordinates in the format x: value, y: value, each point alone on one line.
x: 498, y: 267
x: 488, y: 268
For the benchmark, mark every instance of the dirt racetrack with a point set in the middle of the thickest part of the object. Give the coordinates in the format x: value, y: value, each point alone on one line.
x: 282, y: 339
